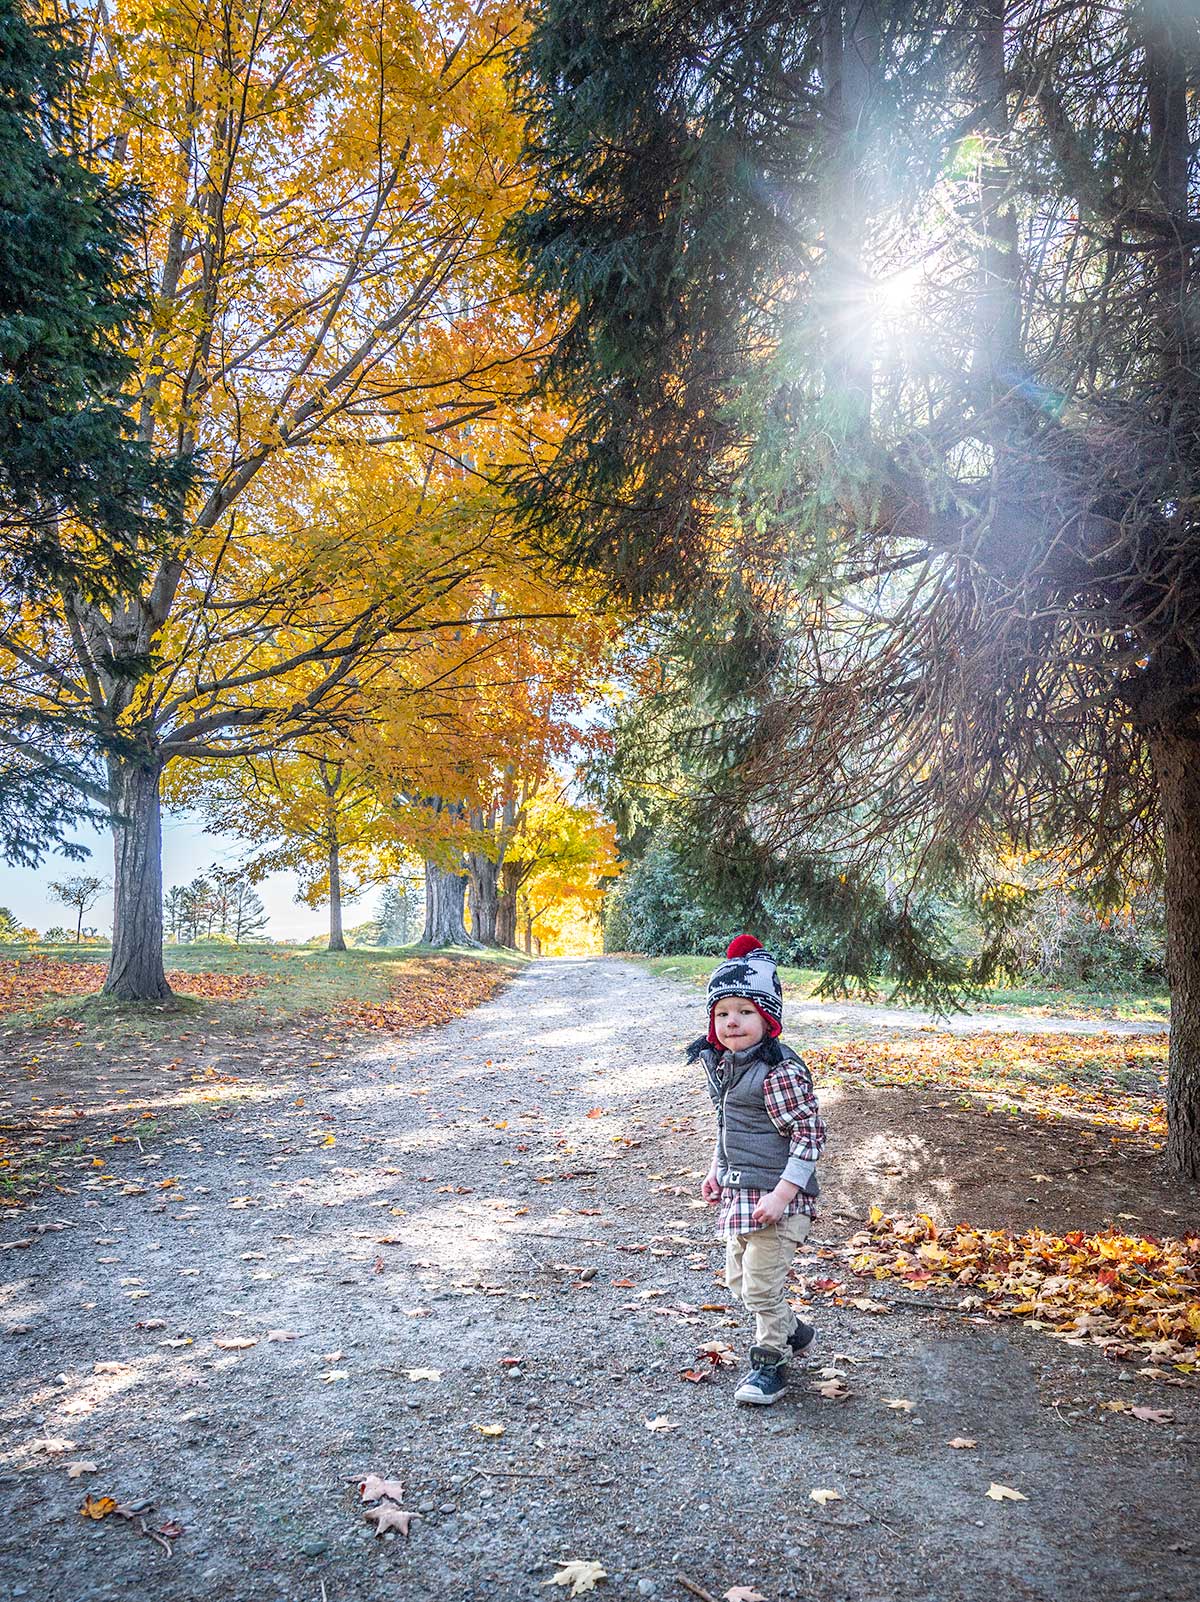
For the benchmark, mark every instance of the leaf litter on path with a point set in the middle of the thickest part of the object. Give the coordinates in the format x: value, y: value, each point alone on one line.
x: 581, y: 1574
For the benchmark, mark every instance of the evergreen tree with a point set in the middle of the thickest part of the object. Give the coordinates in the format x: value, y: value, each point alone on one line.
x: 402, y: 911
x: 880, y: 352
x: 82, y: 500
x: 247, y: 916
x: 85, y: 506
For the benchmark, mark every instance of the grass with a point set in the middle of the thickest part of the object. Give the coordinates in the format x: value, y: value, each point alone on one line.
x: 1151, y: 1006
x: 296, y: 982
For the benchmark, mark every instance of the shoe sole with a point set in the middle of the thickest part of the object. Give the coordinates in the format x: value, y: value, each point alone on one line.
x: 760, y: 1400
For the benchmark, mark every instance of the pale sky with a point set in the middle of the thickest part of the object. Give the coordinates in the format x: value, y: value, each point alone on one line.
x: 186, y: 850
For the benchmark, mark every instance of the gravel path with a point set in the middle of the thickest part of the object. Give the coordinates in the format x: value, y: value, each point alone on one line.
x: 522, y: 1185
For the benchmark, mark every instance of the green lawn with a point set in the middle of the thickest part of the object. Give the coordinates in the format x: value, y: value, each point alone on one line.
x: 300, y: 981
x: 1149, y: 1006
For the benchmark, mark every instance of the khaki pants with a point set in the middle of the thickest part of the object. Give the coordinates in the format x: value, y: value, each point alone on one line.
x: 756, y: 1269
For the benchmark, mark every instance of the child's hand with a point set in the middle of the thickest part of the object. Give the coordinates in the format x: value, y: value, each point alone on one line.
x: 711, y: 1189
x: 774, y: 1204
x: 769, y: 1210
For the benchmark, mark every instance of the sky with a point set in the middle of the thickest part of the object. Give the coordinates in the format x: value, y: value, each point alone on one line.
x: 186, y: 850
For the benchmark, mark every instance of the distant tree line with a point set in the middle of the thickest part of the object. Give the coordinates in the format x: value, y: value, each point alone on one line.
x: 219, y: 902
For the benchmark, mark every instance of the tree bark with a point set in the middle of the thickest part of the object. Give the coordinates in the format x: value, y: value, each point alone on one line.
x: 337, y: 941
x: 484, y: 897
x: 483, y: 892
x: 1177, y: 768
x: 506, y: 908
x: 79, y: 927
x: 444, y: 895
x: 135, y: 970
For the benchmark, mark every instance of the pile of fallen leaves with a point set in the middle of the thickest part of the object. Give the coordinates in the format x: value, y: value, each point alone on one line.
x: 1102, y: 1078
x: 426, y: 993
x: 1132, y: 1295
x: 28, y: 982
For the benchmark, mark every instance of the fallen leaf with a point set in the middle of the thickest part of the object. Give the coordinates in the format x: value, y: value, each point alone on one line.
x: 1153, y: 1415
x: 433, y: 1374
x: 662, y: 1422
x: 489, y: 1429
x: 581, y: 1574
x: 1004, y: 1493
x: 962, y: 1442
x: 334, y: 1374
x: 373, y: 1488
x: 821, y: 1497
x: 899, y: 1404
x: 78, y: 1468
x: 743, y: 1593
x: 235, y: 1343
x: 834, y: 1388
x: 283, y: 1335
x: 866, y: 1304
x: 98, y: 1507
x: 696, y: 1376
x: 387, y: 1517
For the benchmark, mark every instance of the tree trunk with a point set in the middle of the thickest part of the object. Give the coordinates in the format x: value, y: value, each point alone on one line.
x: 135, y: 970
x: 337, y: 941
x: 483, y: 891
x: 506, y: 906
x: 79, y: 927
x: 444, y: 895
x: 1177, y: 769
x: 484, y: 897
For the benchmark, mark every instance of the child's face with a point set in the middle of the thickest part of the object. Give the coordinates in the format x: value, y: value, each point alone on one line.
x: 738, y: 1024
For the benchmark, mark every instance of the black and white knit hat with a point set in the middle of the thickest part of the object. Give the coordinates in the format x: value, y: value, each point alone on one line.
x: 750, y: 972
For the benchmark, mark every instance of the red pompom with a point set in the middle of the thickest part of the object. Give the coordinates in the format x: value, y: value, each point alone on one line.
x: 743, y: 945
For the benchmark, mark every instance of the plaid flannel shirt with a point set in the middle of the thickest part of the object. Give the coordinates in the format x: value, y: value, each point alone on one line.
x: 791, y: 1104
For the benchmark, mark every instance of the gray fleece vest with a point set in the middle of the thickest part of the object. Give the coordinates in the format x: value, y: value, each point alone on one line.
x: 751, y: 1153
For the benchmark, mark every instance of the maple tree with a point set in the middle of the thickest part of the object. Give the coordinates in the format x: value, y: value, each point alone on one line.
x: 336, y: 339
x: 324, y: 818
x: 556, y: 865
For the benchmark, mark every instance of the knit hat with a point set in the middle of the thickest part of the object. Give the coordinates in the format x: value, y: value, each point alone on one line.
x: 748, y: 972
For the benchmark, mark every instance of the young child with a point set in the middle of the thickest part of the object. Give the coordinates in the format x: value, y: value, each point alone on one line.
x: 769, y: 1136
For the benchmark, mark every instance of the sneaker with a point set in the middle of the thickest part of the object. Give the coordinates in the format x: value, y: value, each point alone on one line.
x: 801, y: 1338
x: 767, y: 1379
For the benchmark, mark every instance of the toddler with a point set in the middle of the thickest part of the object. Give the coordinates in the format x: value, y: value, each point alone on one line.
x: 769, y: 1136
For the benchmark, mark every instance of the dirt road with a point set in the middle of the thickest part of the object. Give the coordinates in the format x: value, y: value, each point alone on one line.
x: 332, y: 1275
